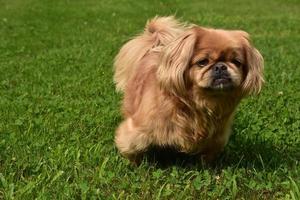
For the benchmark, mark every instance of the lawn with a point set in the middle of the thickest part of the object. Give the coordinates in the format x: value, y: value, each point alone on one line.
x: 59, y: 110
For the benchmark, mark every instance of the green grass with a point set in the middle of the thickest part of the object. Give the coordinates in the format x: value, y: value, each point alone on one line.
x: 59, y: 110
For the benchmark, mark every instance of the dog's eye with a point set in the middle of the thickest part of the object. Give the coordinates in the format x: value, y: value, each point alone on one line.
x: 237, y: 62
x: 203, y: 62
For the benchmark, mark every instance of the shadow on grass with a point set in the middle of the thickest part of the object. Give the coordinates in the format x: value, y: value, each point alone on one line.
x: 239, y: 153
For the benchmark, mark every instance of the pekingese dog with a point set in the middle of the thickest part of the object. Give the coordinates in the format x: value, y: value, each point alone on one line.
x: 181, y: 85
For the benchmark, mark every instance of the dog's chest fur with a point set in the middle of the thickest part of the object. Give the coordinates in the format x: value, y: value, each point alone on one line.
x: 193, y: 131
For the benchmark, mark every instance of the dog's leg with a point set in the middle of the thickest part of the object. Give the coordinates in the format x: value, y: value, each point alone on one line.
x: 214, y: 149
x: 209, y: 158
x: 131, y: 141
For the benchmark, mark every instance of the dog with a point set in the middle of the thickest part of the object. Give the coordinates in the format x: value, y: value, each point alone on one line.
x: 182, y: 84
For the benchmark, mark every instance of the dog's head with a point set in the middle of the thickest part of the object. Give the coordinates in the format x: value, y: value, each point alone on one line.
x: 212, y: 61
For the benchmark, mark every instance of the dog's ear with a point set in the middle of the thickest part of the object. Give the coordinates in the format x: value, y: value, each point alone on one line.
x: 175, y: 61
x: 254, y: 67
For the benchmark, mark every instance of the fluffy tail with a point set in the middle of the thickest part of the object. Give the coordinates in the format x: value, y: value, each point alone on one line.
x: 158, y: 32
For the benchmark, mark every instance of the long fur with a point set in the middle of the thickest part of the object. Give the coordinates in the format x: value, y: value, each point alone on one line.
x: 174, y: 62
x: 158, y: 32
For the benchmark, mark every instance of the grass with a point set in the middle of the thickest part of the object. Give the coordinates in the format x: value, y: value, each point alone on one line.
x: 59, y: 110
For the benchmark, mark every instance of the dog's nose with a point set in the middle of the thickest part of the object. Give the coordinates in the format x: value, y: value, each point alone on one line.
x: 219, y: 68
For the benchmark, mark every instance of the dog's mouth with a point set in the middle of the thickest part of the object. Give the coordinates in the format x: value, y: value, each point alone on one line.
x: 222, y: 83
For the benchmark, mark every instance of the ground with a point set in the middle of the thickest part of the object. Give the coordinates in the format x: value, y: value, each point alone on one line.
x: 59, y: 110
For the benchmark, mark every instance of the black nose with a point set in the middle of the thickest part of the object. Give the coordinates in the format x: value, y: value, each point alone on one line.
x: 219, y: 68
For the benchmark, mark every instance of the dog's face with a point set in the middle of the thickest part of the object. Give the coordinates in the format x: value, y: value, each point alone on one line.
x: 218, y: 60
x: 212, y: 60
